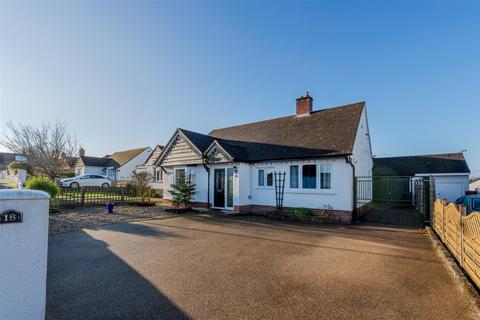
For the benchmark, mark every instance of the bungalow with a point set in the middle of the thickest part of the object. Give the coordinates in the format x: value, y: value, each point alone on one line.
x: 308, y: 160
x: 450, y: 171
x: 150, y: 167
x: 118, y: 166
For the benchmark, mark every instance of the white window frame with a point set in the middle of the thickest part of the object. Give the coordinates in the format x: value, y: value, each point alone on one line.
x: 320, y: 176
x: 191, y: 171
x: 266, y: 171
x: 318, y: 188
x: 175, y: 173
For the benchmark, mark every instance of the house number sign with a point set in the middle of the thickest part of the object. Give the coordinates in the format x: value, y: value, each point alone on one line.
x: 11, y: 216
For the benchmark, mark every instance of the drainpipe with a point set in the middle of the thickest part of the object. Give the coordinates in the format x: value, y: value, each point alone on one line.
x: 208, y: 182
x: 348, y: 159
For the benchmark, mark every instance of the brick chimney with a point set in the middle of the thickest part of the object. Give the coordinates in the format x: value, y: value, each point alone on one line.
x: 304, y: 105
x: 81, y: 152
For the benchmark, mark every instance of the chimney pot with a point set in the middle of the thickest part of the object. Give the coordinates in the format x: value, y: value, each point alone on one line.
x: 304, y: 104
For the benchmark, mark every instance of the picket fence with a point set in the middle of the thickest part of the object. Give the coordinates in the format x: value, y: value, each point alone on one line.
x: 460, y: 234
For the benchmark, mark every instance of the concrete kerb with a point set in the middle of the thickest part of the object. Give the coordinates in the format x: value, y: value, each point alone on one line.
x: 466, y: 285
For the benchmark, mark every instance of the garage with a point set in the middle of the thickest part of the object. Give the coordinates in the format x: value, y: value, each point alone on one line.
x: 449, y: 170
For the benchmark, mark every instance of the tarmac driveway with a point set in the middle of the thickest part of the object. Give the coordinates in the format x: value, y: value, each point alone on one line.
x: 204, y: 267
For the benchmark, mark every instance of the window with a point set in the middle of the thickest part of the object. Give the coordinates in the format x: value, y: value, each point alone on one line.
x: 269, y: 179
x: 325, y: 176
x: 191, y: 175
x: 293, y: 177
x: 476, y: 204
x: 309, y: 176
x: 261, y: 178
x: 179, y: 175
x: 158, y: 174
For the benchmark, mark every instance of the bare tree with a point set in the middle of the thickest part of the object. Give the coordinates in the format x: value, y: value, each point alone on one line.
x: 48, y: 148
x: 141, y: 181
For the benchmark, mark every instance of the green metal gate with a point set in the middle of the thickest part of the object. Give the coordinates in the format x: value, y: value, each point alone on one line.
x: 391, y: 200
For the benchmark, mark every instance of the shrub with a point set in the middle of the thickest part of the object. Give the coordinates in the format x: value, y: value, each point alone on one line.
x: 14, y: 166
x: 300, y: 212
x: 183, y: 192
x: 153, y: 193
x: 43, y: 184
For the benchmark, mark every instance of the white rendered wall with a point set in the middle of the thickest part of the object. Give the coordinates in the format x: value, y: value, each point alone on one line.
x: 23, y: 255
x: 125, y: 172
x: 201, y: 178
x: 339, y: 197
x: 362, y: 151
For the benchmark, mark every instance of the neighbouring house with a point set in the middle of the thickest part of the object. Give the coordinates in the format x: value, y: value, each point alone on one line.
x: 155, y: 171
x: 7, y: 157
x: 117, y: 166
x: 450, y: 171
x: 474, y: 184
x: 317, y: 153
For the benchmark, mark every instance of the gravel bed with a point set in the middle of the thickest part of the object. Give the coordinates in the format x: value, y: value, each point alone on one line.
x: 89, y: 217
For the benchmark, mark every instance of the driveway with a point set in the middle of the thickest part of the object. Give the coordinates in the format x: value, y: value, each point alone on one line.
x: 204, y: 267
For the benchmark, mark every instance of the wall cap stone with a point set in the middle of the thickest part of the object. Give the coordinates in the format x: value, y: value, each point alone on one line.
x: 23, y: 194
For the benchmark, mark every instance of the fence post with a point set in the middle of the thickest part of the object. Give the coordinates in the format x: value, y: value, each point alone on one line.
x: 463, y: 213
x: 443, y: 220
x: 82, y: 196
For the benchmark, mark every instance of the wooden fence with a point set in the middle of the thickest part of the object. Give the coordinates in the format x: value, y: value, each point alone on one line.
x: 97, y: 196
x: 460, y: 234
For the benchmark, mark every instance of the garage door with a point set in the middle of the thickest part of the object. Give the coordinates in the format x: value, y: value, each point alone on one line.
x: 448, y: 190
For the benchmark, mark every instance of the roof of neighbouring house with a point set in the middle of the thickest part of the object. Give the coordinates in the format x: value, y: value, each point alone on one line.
x: 423, y: 164
x: 117, y: 159
x: 152, y: 159
x: 122, y: 157
x: 323, y: 132
x: 97, y: 162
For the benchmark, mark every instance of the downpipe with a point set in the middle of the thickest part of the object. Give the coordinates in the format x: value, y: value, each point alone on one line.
x: 348, y: 159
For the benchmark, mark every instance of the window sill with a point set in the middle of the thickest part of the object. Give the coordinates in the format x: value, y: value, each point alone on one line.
x: 316, y: 191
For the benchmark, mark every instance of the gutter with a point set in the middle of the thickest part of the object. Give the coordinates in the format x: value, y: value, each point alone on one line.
x: 348, y: 159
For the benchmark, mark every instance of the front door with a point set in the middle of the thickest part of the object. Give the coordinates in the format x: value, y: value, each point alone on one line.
x: 219, y: 191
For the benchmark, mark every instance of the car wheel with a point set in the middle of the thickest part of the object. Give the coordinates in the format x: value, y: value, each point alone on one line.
x: 74, y: 185
x: 105, y: 185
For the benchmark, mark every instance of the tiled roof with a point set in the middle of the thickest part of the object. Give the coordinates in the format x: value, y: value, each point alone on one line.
x: 423, y: 164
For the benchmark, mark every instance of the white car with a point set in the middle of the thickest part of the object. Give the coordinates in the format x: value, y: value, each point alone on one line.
x: 86, y: 180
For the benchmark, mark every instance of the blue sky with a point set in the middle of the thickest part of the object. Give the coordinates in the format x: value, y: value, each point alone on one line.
x: 124, y: 75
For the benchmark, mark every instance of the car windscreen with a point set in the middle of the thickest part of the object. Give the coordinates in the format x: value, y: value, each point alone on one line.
x: 476, y: 204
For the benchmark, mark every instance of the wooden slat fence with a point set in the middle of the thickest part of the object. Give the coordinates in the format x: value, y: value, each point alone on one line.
x: 87, y: 196
x: 460, y: 234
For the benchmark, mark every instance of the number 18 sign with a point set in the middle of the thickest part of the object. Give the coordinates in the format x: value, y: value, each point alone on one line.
x: 11, y: 216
